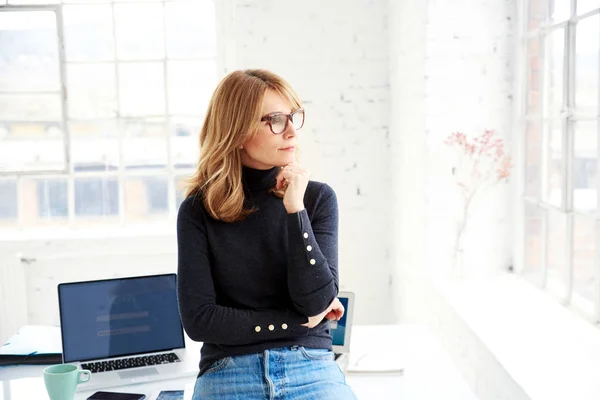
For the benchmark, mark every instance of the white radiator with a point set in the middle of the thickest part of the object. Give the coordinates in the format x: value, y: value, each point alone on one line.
x: 13, y: 295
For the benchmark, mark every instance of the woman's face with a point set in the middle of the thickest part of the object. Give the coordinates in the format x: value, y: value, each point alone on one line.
x: 266, y: 149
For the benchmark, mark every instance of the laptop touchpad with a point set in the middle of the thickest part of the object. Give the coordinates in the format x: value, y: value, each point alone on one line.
x: 136, y: 373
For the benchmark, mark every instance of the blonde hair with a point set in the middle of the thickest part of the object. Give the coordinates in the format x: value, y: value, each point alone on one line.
x: 232, y: 118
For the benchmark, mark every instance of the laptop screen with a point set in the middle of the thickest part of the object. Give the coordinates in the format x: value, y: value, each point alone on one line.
x: 117, y: 317
x: 338, y: 329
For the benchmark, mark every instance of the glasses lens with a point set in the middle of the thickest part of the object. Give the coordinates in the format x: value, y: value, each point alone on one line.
x: 298, y: 119
x: 278, y: 123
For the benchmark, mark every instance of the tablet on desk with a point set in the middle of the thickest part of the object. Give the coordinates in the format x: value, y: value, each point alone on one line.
x: 170, y: 395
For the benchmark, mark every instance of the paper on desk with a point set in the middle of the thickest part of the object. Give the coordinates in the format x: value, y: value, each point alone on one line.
x: 34, y: 339
x: 375, y: 362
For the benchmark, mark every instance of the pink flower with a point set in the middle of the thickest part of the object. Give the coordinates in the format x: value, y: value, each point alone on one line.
x: 486, y: 158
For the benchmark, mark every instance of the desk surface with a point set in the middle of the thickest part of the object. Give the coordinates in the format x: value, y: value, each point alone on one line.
x: 428, y: 370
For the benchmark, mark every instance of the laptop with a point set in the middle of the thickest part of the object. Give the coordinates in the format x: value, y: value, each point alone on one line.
x: 341, y: 330
x: 124, y: 331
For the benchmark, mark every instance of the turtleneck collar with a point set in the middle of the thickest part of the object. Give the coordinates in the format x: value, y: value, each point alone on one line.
x: 256, y: 179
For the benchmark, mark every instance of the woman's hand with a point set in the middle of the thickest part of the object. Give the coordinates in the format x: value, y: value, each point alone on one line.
x: 293, y: 179
x: 335, y: 311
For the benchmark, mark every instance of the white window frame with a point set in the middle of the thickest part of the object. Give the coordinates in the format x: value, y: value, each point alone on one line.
x: 68, y: 172
x: 568, y: 118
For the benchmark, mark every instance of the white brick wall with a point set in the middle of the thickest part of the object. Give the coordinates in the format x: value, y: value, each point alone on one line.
x: 469, y: 75
x: 451, y: 68
x: 335, y: 54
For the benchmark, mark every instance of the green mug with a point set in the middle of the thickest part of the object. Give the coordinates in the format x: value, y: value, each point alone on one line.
x: 61, y: 380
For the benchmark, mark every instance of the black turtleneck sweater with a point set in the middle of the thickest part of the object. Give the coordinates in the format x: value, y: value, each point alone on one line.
x: 248, y: 286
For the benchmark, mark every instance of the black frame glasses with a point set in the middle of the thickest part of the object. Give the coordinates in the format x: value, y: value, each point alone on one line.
x: 287, y: 117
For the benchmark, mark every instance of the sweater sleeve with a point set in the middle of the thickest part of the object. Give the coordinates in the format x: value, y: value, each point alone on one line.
x: 313, y: 255
x: 202, y: 318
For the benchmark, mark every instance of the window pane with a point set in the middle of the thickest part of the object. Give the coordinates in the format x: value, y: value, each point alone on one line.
x: 533, y: 154
x: 92, y: 91
x: 32, y: 146
x: 144, y: 144
x: 587, y: 64
x: 556, y: 246
x: 584, y: 6
x: 180, y: 189
x: 142, y: 91
x: 44, y: 200
x: 554, y: 69
x: 89, y: 33
x: 140, y: 37
x: 190, y: 29
x: 8, y: 199
x: 30, y: 107
x: 553, y: 163
x: 146, y: 196
x: 190, y: 86
x: 185, y: 144
x: 52, y: 198
x: 94, y: 146
x: 534, y: 77
x: 533, y: 244
x: 584, y: 258
x: 585, y: 166
x: 560, y: 10
x: 538, y: 13
x: 28, y: 51
x: 97, y: 196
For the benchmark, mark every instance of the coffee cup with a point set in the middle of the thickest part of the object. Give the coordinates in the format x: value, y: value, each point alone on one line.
x: 61, y: 380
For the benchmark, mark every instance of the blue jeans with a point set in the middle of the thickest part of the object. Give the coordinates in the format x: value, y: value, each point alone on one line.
x: 292, y: 373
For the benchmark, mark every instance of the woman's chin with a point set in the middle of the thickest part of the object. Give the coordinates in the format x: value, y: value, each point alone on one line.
x: 283, y: 161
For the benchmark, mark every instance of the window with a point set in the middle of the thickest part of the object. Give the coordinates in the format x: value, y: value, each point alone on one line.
x: 561, y: 126
x: 8, y: 200
x: 52, y: 198
x: 111, y: 147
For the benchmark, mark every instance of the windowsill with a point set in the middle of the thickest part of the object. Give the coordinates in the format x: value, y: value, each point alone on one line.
x: 140, y: 230
x: 549, y: 350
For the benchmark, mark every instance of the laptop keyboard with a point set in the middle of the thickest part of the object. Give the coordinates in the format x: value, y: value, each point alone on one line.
x: 133, y: 362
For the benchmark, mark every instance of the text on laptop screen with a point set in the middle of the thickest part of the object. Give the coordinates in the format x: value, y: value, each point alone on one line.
x: 104, y: 319
x: 338, y: 328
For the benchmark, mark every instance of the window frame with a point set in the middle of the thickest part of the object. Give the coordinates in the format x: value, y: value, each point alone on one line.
x: 569, y: 117
x: 170, y: 169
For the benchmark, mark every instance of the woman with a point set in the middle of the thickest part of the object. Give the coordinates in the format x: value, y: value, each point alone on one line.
x: 257, y: 245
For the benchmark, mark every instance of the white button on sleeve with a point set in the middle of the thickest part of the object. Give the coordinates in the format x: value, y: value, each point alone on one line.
x: 308, y: 248
x: 312, y: 261
x: 284, y: 326
x: 257, y: 328
x: 305, y: 235
x: 271, y: 327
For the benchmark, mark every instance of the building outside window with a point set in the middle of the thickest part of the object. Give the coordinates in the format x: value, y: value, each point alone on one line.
x: 100, y: 109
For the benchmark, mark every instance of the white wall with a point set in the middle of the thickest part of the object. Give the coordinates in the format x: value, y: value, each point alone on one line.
x: 451, y: 69
x: 335, y: 54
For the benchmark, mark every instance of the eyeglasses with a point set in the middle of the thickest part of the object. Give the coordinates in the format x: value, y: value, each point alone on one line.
x: 278, y: 122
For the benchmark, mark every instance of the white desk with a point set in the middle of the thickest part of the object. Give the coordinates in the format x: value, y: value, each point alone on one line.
x: 428, y: 371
